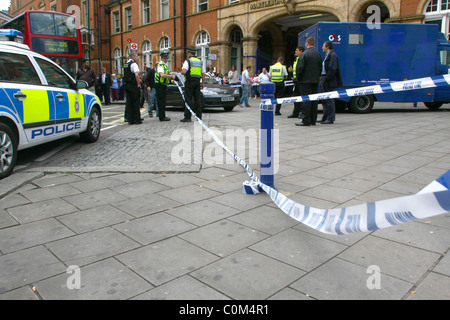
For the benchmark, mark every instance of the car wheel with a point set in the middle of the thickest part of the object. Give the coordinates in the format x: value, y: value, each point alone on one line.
x: 8, y: 150
x: 94, y: 125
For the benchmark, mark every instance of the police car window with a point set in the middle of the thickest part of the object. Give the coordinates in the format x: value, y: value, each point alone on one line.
x: 17, y: 68
x: 55, y: 76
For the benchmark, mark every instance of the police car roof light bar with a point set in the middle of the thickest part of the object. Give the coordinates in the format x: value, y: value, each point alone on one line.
x: 11, y: 35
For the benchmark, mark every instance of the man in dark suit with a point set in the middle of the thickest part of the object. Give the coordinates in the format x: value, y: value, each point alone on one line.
x: 308, y: 71
x: 105, y: 84
x: 330, y: 79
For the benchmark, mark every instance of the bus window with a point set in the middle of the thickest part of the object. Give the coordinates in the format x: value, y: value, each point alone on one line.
x: 65, y: 27
x: 42, y: 23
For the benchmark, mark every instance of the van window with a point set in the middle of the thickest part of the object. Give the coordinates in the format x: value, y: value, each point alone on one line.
x: 445, y: 57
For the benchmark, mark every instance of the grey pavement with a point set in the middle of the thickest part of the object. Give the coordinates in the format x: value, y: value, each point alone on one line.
x: 124, y: 219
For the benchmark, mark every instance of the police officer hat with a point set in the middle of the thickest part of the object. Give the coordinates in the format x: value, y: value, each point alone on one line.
x: 191, y: 50
x: 164, y: 54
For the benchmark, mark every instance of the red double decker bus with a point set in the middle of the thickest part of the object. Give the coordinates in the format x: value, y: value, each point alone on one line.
x: 52, y: 34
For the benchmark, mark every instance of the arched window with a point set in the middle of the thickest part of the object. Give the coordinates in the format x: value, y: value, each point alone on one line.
x: 118, y: 61
x: 147, y: 55
x: 202, y: 46
x: 165, y: 46
x: 437, y: 12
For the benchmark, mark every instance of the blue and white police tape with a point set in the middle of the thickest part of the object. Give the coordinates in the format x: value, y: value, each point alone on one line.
x: 415, y: 84
x: 370, y: 216
x: 433, y: 200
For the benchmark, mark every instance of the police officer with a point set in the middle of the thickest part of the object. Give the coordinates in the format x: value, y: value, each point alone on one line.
x: 162, y: 79
x: 132, y: 87
x: 194, y: 72
x: 278, y: 74
x: 298, y: 107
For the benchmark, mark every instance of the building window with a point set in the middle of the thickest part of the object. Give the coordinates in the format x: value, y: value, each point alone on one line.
x: 118, y: 60
x: 164, y: 46
x: 202, y: 46
x: 437, y: 12
x: 116, y: 22
x: 145, y: 11
x: 432, y: 6
x: 234, y: 1
x: 147, y: 54
x: 85, y: 13
x: 202, y: 5
x: 128, y: 18
x: 164, y: 9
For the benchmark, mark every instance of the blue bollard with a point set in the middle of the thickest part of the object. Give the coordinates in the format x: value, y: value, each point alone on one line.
x: 267, y: 91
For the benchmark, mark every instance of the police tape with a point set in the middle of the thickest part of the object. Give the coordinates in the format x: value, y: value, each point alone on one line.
x: 433, y: 200
x: 415, y: 84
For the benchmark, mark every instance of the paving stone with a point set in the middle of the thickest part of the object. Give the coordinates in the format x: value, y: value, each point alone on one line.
x: 103, y: 280
x: 397, y: 260
x: 94, y: 218
x: 41, y: 210
x: 299, y: 249
x: 166, y: 260
x: 95, y: 199
x: 223, y: 237
x: 203, y: 212
x: 47, y: 193
x: 91, y: 247
x: 342, y: 280
x: 145, y: 205
x: 153, y: 228
x: 32, y: 234
x: 26, y: 267
x: 183, y: 288
x: 433, y: 287
x: 246, y: 274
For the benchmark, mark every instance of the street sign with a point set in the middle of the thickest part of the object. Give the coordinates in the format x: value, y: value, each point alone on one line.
x: 134, y: 46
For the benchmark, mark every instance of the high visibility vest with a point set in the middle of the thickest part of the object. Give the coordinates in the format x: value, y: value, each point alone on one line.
x: 158, y: 78
x: 295, y: 67
x: 195, y: 68
x: 277, y: 71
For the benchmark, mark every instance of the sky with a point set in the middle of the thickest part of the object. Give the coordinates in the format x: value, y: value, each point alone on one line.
x: 4, y: 4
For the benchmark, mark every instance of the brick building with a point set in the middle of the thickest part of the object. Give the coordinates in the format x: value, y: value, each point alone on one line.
x: 225, y: 32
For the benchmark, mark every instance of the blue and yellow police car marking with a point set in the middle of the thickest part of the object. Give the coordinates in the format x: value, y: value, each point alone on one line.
x: 35, y: 106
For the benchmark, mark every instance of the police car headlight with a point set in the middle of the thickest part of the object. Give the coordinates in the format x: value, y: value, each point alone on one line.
x: 236, y: 92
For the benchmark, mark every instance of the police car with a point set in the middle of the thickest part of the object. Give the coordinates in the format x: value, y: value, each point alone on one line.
x: 39, y: 102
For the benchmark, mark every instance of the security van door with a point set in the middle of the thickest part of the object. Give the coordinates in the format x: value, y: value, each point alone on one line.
x: 33, y: 103
x: 69, y: 104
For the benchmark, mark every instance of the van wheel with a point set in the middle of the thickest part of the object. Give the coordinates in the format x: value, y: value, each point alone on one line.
x: 433, y: 105
x: 362, y: 104
x: 94, y: 125
x: 8, y: 150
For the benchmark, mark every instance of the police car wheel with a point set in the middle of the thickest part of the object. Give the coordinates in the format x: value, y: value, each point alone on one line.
x: 94, y: 125
x: 8, y: 151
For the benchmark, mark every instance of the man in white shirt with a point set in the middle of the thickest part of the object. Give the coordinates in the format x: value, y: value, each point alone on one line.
x: 233, y: 75
x: 245, y: 83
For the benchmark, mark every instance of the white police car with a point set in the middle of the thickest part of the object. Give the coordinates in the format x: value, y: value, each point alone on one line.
x: 39, y: 102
